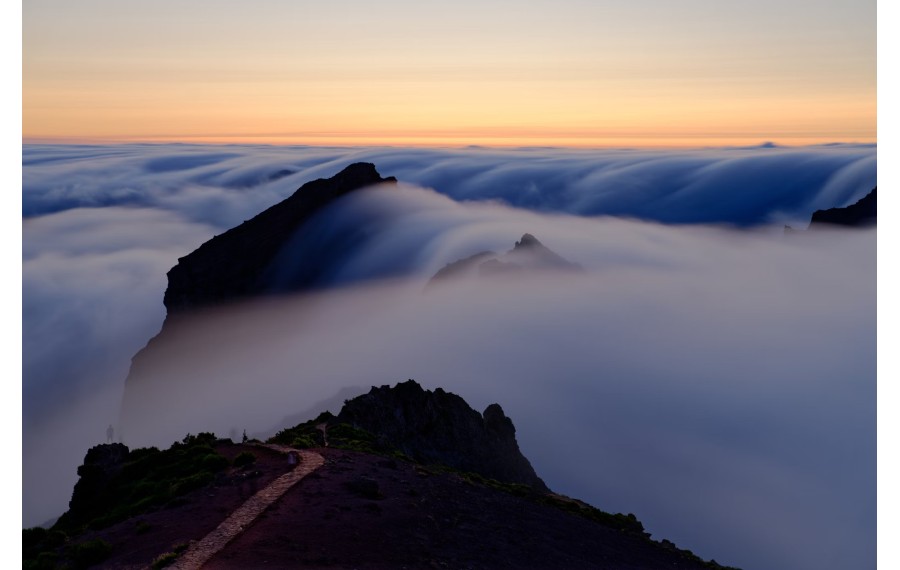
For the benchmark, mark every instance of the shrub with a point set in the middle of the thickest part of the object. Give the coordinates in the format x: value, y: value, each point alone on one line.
x: 244, y: 458
x: 44, y: 561
x: 214, y: 462
x: 36, y: 540
x: 167, y: 558
x: 191, y: 482
x: 91, y: 552
x: 303, y: 442
x: 40, y: 546
x: 164, y: 560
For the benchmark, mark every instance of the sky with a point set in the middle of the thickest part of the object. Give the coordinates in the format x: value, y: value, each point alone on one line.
x: 500, y: 73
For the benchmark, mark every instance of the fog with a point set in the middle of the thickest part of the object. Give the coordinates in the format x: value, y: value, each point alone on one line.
x: 222, y: 185
x: 718, y: 383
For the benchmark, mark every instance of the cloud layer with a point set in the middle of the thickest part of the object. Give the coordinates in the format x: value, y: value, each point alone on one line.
x: 219, y: 184
x: 720, y: 384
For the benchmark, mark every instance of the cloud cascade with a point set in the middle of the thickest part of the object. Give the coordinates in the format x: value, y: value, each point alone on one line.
x: 222, y: 185
x: 698, y: 374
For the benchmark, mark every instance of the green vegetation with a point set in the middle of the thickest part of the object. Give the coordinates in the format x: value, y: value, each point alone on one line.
x: 117, y: 486
x: 164, y: 560
x: 167, y: 558
x: 244, y: 458
x: 44, y: 549
x: 39, y: 547
x: 340, y: 436
x: 86, y: 554
x: 146, y: 479
x: 304, y: 435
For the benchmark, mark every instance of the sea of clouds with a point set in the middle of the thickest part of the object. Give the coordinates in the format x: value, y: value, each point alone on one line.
x: 706, y: 373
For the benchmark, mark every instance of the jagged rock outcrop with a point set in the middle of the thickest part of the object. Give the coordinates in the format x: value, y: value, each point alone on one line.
x: 863, y: 213
x: 528, y: 254
x: 101, y: 464
x: 231, y: 266
x: 440, y: 427
x: 357, y: 510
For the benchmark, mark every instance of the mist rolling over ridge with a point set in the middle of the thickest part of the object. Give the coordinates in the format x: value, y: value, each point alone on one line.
x: 718, y: 382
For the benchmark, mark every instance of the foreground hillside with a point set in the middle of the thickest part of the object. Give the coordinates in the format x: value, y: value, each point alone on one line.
x: 391, y: 499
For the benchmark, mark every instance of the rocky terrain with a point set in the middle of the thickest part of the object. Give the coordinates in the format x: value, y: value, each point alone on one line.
x: 863, y: 213
x: 440, y: 427
x: 402, y: 477
x: 528, y: 254
x: 231, y: 266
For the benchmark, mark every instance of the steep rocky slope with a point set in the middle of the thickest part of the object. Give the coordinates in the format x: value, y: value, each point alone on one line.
x: 440, y: 427
x: 420, y: 490
x: 230, y: 266
x: 862, y: 213
x: 527, y: 255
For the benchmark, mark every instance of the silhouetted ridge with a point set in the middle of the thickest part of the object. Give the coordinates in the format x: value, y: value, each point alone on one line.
x: 861, y: 214
x: 528, y: 254
x: 440, y: 427
x: 230, y: 266
x: 361, y: 507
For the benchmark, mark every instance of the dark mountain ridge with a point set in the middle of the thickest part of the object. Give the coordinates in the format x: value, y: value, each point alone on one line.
x: 862, y: 213
x: 440, y: 427
x: 230, y: 266
x: 434, y: 484
x: 527, y: 255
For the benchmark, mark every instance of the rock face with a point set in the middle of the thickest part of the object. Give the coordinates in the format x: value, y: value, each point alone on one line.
x: 528, y: 254
x: 863, y: 213
x: 230, y: 266
x: 440, y: 427
x: 101, y: 464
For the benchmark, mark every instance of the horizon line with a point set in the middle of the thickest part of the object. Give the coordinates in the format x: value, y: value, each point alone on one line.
x: 457, y: 143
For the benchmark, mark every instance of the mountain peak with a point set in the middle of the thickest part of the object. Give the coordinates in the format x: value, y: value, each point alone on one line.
x: 231, y: 266
x: 862, y: 213
x: 527, y: 241
x: 440, y: 427
x: 527, y: 255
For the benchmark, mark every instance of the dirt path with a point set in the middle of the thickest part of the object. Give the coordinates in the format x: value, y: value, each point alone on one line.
x: 199, y: 552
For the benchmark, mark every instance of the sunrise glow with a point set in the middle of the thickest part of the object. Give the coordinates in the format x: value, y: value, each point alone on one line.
x: 648, y: 73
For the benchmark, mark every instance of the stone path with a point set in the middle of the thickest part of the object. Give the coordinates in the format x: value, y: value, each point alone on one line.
x: 200, y: 552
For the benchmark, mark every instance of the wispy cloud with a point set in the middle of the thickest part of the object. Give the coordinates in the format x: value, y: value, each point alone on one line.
x: 718, y: 383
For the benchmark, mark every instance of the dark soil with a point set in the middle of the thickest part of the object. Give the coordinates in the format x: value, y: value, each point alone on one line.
x: 136, y: 542
x: 367, y: 511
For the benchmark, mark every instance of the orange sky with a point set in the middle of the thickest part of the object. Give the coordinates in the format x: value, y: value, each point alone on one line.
x: 568, y: 73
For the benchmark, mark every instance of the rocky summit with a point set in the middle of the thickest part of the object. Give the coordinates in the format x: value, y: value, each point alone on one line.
x: 402, y: 477
x: 230, y: 266
x: 862, y: 213
x: 527, y: 255
x: 440, y: 427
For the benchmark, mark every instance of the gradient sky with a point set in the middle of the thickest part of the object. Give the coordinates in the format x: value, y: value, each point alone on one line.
x: 643, y: 72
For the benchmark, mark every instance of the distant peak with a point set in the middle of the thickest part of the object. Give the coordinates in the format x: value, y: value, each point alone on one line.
x: 528, y: 254
x: 527, y: 241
